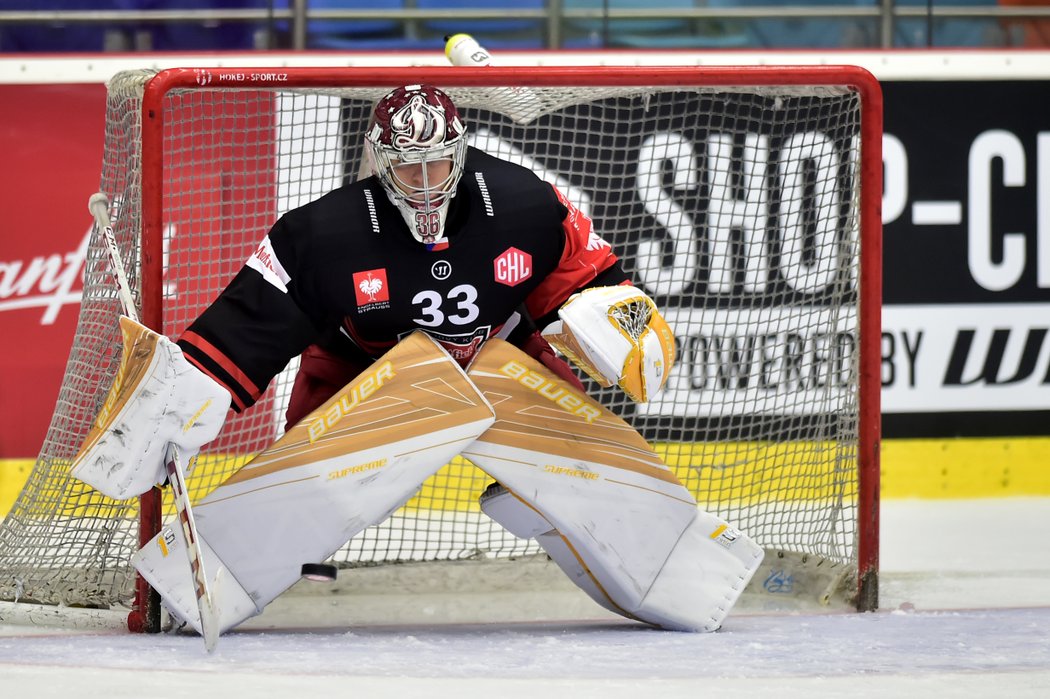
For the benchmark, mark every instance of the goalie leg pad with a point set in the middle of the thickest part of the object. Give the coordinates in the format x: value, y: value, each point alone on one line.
x: 511, y: 512
x: 613, y: 506
x: 157, y: 398
x: 162, y: 563
x: 347, y: 465
x: 707, y: 570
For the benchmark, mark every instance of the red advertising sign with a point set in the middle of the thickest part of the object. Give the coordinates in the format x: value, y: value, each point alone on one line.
x: 52, y: 140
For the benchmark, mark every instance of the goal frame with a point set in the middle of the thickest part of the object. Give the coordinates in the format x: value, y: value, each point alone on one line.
x: 145, y: 615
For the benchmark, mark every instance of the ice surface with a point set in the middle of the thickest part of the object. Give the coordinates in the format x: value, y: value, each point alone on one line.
x: 965, y: 612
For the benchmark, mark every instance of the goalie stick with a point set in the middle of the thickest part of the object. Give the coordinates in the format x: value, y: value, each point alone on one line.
x: 98, y: 205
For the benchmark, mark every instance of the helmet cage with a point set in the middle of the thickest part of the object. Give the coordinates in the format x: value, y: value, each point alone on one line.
x: 414, y: 193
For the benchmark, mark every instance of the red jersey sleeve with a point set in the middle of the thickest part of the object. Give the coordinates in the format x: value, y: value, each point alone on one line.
x: 585, y: 256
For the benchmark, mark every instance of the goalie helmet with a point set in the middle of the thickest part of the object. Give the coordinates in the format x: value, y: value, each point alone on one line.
x: 417, y: 144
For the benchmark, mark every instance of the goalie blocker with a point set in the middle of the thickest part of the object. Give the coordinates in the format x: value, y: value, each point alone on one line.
x: 157, y: 398
x: 576, y: 477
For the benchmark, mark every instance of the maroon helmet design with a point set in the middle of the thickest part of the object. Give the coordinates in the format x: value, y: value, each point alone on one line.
x: 417, y: 143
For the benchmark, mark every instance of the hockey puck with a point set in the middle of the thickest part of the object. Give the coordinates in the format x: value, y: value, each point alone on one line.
x: 318, y: 572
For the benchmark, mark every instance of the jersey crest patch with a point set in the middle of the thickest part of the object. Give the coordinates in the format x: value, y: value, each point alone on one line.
x: 512, y: 267
x: 371, y: 289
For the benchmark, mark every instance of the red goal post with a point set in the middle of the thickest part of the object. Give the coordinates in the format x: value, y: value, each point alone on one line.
x: 746, y: 200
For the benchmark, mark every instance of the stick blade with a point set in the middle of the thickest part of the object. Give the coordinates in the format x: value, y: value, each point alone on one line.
x: 210, y: 615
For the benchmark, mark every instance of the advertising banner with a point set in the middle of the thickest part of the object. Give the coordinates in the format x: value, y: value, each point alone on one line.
x: 52, y: 140
x: 966, y: 311
x: 966, y: 240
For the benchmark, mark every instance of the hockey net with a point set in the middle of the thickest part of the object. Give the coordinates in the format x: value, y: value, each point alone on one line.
x: 744, y: 200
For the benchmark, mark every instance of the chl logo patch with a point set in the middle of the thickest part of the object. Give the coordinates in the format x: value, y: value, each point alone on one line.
x: 512, y: 267
x: 371, y: 288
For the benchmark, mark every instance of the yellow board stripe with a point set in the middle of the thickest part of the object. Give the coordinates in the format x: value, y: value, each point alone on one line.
x: 911, y: 468
x: 13, y: 475
x: 966, y: 468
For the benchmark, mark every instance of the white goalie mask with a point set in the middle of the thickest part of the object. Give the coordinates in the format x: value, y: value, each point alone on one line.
x: 417, y: 144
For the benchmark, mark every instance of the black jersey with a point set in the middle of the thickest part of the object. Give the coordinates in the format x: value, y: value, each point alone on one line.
x: 345, y: 273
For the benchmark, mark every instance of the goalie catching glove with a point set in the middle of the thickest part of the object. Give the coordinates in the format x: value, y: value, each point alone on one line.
x: 615, y: 334
x: 157, y: 398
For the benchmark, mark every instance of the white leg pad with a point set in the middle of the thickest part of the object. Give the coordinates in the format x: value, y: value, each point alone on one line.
x: 346, y: 466
x: 699, y: 583
x: 702, y: 578
x: 512, y: 514
x: 562, y: 554
x: 526, y: 523
x: 260, y: 532
x: 163, y: 563
x: 622, y: 526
